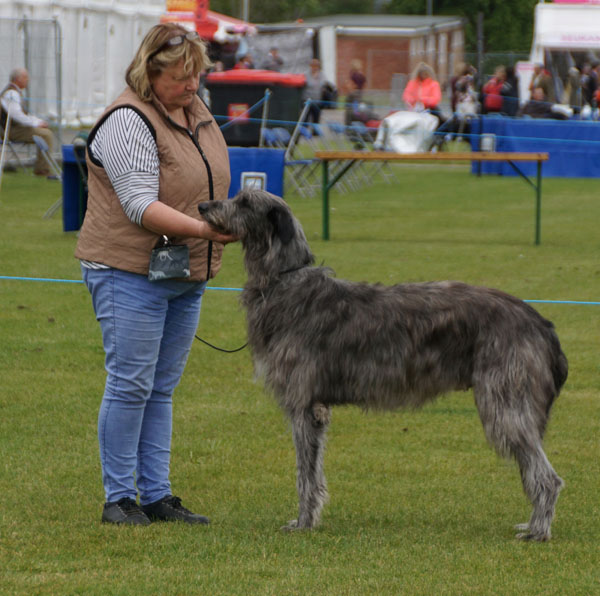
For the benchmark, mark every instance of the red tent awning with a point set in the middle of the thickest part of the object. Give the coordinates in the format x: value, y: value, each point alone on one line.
x: 256, y: 77
x: 216, y: 26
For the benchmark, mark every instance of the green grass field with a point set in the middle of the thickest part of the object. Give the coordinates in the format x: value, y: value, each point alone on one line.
x: 419, y: 503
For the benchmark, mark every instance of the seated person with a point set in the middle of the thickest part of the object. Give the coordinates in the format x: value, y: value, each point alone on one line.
x: 423, y: 92
x: 538, y: 106
x: 23, y: 127
x: 491, y: 98
x: 466, y: 107
x: 466, y: 99
x: 359, y: 110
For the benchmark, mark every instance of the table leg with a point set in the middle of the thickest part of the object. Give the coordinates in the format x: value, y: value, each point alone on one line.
x: 325, y: 199
x: 538, y: 204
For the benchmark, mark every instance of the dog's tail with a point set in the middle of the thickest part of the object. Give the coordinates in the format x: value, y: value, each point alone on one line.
x: 559, y: 367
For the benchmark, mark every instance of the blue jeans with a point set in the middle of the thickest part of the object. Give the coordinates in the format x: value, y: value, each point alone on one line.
x: 147, y: 331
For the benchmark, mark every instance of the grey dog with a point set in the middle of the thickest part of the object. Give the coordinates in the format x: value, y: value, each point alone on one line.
x: 319, y: 341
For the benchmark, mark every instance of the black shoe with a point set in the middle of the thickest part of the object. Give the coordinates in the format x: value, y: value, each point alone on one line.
x: 169, y: 508
x: 124, y: 511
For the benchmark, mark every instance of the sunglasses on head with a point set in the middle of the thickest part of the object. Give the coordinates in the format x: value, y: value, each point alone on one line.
x: 176, y: 40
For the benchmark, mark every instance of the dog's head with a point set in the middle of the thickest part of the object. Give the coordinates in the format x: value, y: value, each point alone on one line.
x: 247, y: 215
x: 272, y: 237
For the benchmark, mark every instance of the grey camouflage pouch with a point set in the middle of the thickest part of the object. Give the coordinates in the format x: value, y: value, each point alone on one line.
x: 169, y: 261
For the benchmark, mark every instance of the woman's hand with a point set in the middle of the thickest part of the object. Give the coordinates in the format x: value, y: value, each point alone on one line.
x: 209, y: 233
x: 162, y: 219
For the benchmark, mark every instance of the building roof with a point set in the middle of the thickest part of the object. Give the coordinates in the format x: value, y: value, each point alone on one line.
x: 384, y: 20
x: 371, y: 23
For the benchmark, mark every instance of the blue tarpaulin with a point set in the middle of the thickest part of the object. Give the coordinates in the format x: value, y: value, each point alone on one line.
x: 256, y: 167
x: 573, y: 145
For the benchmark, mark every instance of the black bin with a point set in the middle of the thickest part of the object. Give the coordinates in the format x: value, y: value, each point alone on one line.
x: 234, y: 92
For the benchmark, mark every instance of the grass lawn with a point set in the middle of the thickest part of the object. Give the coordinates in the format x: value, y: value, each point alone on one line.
x: 419, y: 503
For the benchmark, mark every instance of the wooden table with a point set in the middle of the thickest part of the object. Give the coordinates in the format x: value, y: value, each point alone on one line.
x: 352, y: 157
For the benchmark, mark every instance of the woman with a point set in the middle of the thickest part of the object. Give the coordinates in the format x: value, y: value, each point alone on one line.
x: 152, y: 157
x: 491, y: 98
x: 356, y: 79
x: 423, y: 92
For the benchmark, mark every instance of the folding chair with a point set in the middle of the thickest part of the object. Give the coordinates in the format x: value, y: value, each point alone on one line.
x: 338, y: 141
x: 344, y: 138
x: 362, y: 138
x: 54, y: 168
x: 298, y: 169
x: 315, y: 136
x: 338, y: 136
x: 45, y: 151
x: 6, y: 143
x: 309, y: 136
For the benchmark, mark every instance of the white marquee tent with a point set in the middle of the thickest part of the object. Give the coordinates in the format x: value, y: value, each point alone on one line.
x: 97, y: 41
x: 84, y: 68
x: 565, y: 33
x: 572, y: 26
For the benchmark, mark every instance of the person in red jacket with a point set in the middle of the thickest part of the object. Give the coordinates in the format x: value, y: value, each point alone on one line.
x: 423, y: 92
x: 492, y: 98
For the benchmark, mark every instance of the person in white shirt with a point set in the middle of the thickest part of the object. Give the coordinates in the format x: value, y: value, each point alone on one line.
x: 23, y: 126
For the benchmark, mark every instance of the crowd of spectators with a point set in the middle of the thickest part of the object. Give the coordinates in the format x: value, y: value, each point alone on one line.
x: 577, y: 96
x: 500, y: 94
x: 469, y: 96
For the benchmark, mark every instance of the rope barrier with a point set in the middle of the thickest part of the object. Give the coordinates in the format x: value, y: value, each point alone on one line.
x: 80, y: 281
x: 222, y: 289
x: 243, y: 115
x: 353, y: 127
x: 390, y: 108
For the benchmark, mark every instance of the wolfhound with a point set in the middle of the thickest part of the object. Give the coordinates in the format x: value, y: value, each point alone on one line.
x: 319, y: 341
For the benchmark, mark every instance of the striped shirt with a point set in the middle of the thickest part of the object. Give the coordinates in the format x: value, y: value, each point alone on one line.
x: 124, y: 146
x: 126, y: 149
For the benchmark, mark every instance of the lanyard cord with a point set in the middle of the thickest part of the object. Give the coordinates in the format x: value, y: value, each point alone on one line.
x: 242, y: 347
x: 220, y: 349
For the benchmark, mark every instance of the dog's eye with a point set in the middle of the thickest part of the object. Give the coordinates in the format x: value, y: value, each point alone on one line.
x: 244, y: 202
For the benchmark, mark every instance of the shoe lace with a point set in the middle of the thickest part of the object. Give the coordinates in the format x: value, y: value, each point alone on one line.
x: 175, y: 502
x: 128, y: 505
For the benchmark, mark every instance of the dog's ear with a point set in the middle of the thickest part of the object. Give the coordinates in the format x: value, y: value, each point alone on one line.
x: 283, y: 224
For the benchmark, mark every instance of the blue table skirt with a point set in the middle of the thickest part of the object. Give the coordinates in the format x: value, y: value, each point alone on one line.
x: 573, y: 145
x: 254, y: 160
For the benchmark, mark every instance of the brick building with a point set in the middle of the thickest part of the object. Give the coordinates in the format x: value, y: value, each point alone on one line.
x: 388, y: 45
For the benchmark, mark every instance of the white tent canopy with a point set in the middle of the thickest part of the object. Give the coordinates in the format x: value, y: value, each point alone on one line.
x: 566, y: 33
x: 99, y: 39
x: 568, y: 26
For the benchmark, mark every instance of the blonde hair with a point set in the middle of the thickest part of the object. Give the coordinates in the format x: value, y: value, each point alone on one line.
x: 145, y: 67
x: 423, y: 67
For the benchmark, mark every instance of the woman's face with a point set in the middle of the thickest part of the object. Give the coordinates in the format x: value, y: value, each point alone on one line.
x: 174, y: 88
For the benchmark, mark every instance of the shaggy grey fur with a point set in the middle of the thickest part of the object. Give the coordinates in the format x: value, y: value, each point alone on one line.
x: 320, y: 341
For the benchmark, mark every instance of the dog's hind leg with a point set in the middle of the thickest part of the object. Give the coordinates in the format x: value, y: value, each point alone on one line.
x: 514, y: 427
x: 309, y: 429
x: 542, y: 485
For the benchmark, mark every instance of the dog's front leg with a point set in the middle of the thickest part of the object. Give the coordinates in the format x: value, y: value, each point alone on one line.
x: 309, y: 428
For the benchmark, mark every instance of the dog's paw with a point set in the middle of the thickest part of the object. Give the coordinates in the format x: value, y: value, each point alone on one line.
x: 290, y: 526
x: 528, y: 537
x: 522, y: 527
